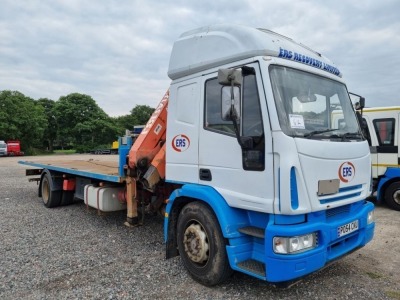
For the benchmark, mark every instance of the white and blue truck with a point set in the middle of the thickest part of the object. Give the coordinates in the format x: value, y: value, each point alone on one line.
x: 242, y: 160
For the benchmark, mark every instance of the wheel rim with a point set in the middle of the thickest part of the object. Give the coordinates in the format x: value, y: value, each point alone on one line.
x: 45, y: 190
x: 396, y: 196
x: 196, y: 244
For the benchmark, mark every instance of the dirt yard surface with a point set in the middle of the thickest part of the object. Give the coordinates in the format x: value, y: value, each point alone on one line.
x: 72, y: 252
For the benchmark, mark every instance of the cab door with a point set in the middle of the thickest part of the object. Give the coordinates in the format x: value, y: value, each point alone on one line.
x: 243, y: 177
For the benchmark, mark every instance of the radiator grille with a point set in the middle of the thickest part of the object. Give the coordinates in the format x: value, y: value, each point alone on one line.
x: 343, y: 193
x: 337, y: 211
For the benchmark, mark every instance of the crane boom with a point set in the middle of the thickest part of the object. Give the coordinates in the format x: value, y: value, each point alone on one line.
x: 147, y: 155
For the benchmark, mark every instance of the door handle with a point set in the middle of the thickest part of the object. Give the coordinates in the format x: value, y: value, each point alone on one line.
x: 205, y: 174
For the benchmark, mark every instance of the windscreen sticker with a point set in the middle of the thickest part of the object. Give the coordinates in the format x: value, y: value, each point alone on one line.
x: 297, y: 121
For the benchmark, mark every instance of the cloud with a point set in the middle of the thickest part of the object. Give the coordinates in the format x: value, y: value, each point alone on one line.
x: 118, y: 51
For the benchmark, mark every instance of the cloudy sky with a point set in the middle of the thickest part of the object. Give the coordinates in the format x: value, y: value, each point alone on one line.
x: 117, y: 51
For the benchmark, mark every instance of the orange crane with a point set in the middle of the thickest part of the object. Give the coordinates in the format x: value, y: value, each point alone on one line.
x: 147, y: 159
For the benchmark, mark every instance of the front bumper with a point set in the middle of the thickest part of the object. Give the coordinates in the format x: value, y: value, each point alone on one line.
x: 286, y: 267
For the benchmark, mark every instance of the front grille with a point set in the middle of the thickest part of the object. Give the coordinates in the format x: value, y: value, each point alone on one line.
x: 341, y: 210
x: 343, y: 193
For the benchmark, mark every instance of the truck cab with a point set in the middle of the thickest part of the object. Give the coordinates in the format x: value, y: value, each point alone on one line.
x: 258, y: 150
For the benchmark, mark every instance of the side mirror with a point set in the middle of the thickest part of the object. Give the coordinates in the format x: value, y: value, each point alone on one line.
x: 231, y: 80
x: 246, y: 142
x: 229, y: 77
x: 226, y: 103
x: 361, y: 103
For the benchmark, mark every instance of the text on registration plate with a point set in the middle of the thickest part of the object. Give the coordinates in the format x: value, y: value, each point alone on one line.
x: 348, y: 228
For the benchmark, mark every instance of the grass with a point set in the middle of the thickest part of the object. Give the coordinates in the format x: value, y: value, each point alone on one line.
x: 374, y: 275
x: 35, y: 152
x: 71, y: 151
x: 393, y: 294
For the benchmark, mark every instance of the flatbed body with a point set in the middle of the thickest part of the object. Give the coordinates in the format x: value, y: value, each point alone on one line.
x: 94, y: 168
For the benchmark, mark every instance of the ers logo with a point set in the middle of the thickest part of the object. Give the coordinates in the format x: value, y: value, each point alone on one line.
x: 346, y: 172
x: 180, y: 143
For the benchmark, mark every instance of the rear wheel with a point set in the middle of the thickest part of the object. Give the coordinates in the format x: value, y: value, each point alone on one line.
x: 50, y: 198
x: 202, y: 245
x: 392, y: 195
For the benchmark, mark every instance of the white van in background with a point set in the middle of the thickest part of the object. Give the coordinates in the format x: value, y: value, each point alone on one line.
x: 3, y: 148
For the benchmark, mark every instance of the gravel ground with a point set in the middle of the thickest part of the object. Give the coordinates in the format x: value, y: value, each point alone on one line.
x: 74, y: 253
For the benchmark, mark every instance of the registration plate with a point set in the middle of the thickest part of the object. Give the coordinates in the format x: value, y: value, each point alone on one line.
x: 348, y: 228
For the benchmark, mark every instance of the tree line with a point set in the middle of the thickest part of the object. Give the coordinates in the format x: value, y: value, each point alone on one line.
x: 74, y: 121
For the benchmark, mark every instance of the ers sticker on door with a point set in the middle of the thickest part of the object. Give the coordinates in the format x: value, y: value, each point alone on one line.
x: 180, y: 143
x: 346, y: 172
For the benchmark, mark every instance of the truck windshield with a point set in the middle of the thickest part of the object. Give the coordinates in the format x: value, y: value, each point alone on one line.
x: 312, y: 106
x: 3, y: 146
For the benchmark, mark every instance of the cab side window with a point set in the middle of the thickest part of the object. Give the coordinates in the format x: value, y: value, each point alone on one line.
x: 253, y: 159
x: 251, y: 111
x: 250, y: 123
x: 384, y: 129
x: 213, y: 109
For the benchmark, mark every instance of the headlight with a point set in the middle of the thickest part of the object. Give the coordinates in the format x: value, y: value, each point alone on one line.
x: 371, y: 217
x: 294, y: 244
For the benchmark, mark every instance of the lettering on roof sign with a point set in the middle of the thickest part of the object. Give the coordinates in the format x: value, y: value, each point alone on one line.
x: 304, y: 59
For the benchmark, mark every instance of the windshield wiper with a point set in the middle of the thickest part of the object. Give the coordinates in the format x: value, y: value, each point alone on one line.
x: 312, y: 133
x: 349, y: 135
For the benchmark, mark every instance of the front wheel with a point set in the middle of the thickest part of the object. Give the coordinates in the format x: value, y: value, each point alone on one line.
x: 201, y: 244
x: 392, y: 195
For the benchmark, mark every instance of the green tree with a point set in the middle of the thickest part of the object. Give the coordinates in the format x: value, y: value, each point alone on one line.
x: 139, y: 115
x: 124, y: 122
x: 21, y: 118
x: 83, y: 123
x: 50, y: 133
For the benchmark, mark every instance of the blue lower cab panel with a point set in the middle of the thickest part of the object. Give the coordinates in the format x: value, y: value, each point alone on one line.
x: 254, y: 255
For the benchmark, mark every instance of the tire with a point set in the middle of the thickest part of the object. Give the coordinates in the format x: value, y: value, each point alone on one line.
x: 202, y: 245
x: 50, y: 198
x: 392, y: 195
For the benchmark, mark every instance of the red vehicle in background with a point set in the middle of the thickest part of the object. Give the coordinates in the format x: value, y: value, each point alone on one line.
x: 14, y: 148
